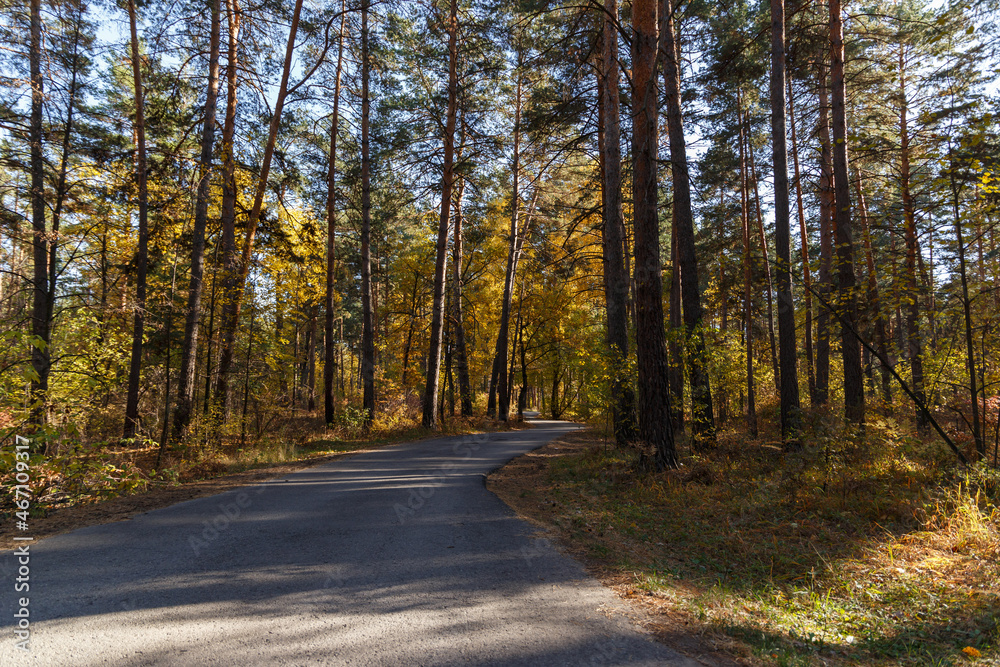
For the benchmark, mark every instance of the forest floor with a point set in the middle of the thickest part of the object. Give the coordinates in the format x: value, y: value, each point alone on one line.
x: 833, y: 555
x: 194, y: 473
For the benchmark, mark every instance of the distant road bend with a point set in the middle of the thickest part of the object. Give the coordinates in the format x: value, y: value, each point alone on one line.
x: 398, y: 556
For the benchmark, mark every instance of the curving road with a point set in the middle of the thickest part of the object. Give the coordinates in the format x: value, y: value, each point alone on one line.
x: 398, y: 556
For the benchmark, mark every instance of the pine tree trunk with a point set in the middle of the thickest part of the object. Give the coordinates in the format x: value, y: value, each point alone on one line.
x: 789, y: 384
x: 235, y: 284
x: 135, y: 364
x: 368, y: 324
x: 826, y: 205
x: 441, y: 258
x: 498, y: 379
x: 464, y: 389
x: 703, y: 421
x: 409, y: 332
x: 854, y: 395
x: 655, y: 427
x: 762, y: 239
x: 616, y: 278
x: 189, y: 348
x: 881, y: 336
x: 329, y: 348
x: 40, y: 356
x: 722, y: 396
x: 675, y: 346
x: 311, y: 357
x: 970, y: 353
x: 168, y: 326
x: 747, y: 278
x: 913, y: 337
x: 804, y: 236
x: 229, y: 192
x: 210, y: 340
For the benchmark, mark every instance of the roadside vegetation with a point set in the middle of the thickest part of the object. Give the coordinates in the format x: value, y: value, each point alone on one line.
x: 854, y: 550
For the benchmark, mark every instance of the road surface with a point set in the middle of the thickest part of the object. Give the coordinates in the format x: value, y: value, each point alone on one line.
x: 398, y: 556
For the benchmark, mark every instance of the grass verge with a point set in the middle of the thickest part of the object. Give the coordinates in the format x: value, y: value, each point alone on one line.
x: 846, y: 553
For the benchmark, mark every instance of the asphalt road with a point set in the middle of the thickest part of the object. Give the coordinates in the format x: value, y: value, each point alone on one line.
x: 398, y: 556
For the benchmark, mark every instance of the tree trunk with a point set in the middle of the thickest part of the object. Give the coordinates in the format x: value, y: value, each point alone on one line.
x: 655, y: 427
x: 229, y: 192
x: 970, y: 355
x: 447, y: 183
x: 330, y: 360
x: 311, y: 357
x: 854, y: 395
x: 766, y: 260
x: 235, y: 284
x: 135, y: 364
x: 914, y: 344
x: 789, y: 384
x: 675, y: 346
x: 164, y: 440
x: 747, y: 278
x: 409, y: 332
x: 613, y: 237
x: 881, y: 336
x: 464, y: 389
x: 40, y: 354
x: 722, y: 396
x: 210, y: 340
x: 803, y: 234
x: 703, y: 421
x: 189, y: 348
x: 826, y: 205
x: 498, y: 381
x: 368, y: 324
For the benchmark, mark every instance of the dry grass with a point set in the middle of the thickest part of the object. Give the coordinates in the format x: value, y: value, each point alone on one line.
x: 855, y: 551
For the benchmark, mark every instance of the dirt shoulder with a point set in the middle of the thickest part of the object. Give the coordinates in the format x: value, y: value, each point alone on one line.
x: 525, y: 485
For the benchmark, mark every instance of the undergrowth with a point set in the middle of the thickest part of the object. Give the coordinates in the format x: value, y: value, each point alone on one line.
x: 856, y: 550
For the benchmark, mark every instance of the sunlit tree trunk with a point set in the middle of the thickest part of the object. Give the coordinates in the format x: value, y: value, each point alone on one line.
x: 135, y: 364
x: 766, y: 260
